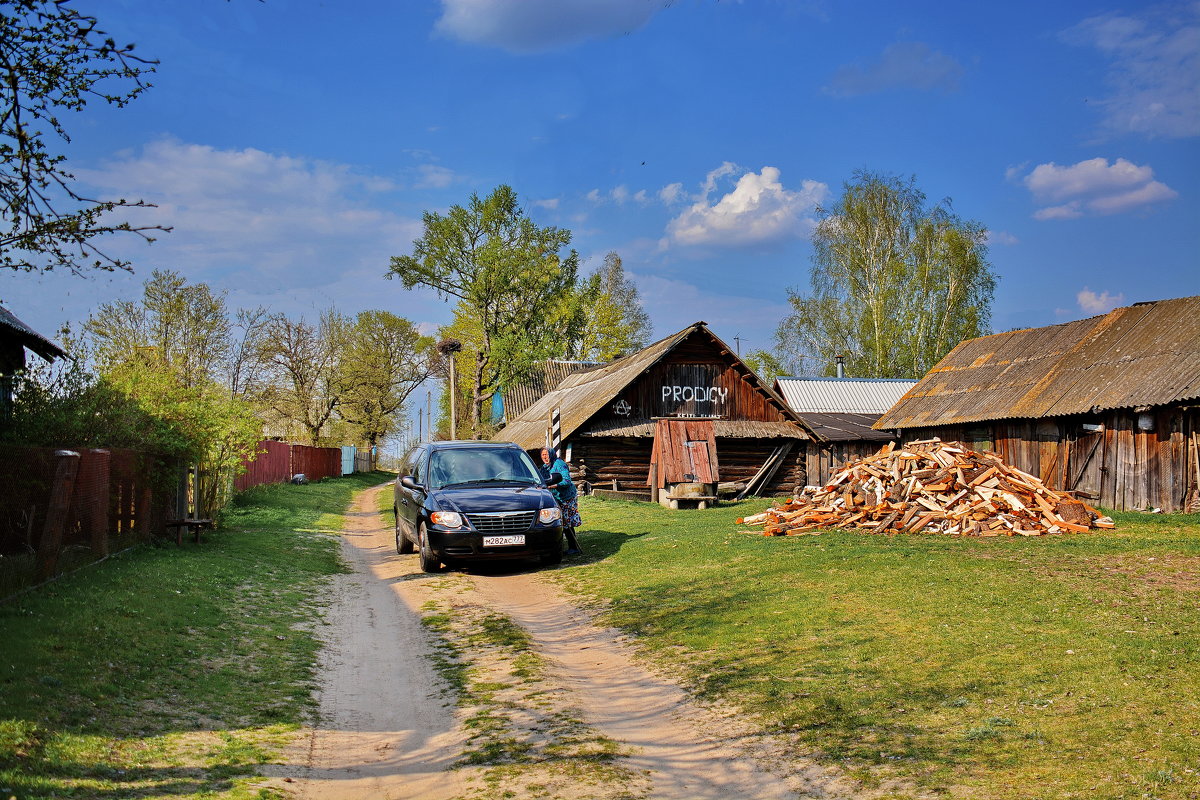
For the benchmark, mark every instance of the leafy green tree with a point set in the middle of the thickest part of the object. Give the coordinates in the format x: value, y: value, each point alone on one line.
x: 167, y: 354
x: 766, y: 365
x: 55, y: 59
x: 895, y: 284
x: 509, y: 275
x: 386, y: 360
x: 614, y: 322
x: 306, y: 380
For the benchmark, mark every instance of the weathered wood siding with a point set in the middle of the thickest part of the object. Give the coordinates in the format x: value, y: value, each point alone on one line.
x: 822, y: 460
x: 1124, y: 466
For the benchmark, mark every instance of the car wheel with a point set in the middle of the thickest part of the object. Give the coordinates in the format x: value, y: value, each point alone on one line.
x: 429, y: 561
x: 403, y: 545
x: 555, y: 556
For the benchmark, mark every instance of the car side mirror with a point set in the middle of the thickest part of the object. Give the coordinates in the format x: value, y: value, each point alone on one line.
x: 408, y: 483
x: 554, y: 479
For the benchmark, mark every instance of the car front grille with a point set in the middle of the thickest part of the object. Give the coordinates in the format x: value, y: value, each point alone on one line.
x: 502, y: 521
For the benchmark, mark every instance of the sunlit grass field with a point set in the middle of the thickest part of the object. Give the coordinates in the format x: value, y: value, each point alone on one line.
x: 1052, y: 667
x: 168, y: 671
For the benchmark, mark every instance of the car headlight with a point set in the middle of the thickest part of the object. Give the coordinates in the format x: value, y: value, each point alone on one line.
x: 447, y: 519
x: 548, y: 515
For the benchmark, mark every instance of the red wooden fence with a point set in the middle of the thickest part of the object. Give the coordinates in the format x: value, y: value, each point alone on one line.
x: 277, y: 462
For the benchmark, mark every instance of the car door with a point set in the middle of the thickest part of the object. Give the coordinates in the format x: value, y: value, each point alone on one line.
x: 408, y: 501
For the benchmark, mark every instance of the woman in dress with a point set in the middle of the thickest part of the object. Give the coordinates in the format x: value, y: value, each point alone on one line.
x: 565, y: 494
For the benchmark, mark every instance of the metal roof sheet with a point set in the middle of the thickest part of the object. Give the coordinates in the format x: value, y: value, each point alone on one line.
x: 722, y: 429
x: 29, y: 337
x: 846, y: 427
x: 1142, y: 355
x: 842, y: 395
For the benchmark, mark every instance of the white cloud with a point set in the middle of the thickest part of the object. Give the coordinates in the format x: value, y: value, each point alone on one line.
x: 1094, y: 187
x: 594, y: 197
x: 292, y: 233
x: 757, y: 210
x: 903, y: 65
x: 527, y: 26
x: 671, y: 193
x: 1154, y: 58
x: 1003, y: 238
x: 550, y: 203
x: 619, y: 195
x: 1101, y: 303
x: 640, y: 198
x: 431, y: 176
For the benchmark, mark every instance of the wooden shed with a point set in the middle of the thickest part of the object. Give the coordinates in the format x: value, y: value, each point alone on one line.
x: 1106, y: 406
x: 612, y: 417
x: 15, y: 337
x: 841, y: 411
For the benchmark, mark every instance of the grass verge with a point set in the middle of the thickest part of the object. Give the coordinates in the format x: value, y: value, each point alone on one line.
x: 172, y: 672
x: 1052, y: 667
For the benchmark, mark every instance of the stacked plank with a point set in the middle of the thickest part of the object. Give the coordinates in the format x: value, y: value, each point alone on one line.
x: 931, y: 487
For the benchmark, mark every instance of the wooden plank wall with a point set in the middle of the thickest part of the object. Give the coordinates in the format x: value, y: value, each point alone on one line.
x: 1120, y: 467
x: 627, y: 460
x: 824, y: 460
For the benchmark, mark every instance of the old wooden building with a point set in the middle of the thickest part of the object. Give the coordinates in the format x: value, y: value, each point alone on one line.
x: 612, y: 416
x: 841, y: 412
x: 1107, y: 406
x: 15, y: 338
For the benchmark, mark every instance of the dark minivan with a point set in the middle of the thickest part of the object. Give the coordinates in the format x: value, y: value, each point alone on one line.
x: 466, y: 500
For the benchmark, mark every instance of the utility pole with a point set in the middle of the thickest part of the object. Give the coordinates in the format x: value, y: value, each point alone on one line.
x: 448, y: 347
x: 429, y: 413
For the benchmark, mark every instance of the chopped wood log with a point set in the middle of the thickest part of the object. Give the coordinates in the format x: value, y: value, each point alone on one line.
x: 931, y: 487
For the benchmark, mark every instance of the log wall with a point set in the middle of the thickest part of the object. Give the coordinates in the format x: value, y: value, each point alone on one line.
x: 1124, y: 466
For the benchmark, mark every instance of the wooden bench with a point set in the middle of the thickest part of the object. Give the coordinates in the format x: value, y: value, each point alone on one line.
x: 193, y: 525
x: 702, y: 500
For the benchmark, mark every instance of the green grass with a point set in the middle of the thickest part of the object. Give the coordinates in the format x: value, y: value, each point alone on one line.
x: 167, y: 671
x: 1050, y: 667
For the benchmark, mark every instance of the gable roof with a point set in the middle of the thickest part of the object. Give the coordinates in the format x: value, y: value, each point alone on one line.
x: 582, y: 394
x: 28, y: 337
x: 842, y: 395
x: 1147, y: 354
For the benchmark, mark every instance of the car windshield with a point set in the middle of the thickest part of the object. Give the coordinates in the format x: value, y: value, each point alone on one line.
x: 465, y: 466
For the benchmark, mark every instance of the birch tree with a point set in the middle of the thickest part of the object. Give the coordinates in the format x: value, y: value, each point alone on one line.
x: 895, y: 285
x: 614, y: 322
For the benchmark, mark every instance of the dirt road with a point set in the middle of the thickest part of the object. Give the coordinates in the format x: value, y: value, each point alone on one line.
x: 506, y: 689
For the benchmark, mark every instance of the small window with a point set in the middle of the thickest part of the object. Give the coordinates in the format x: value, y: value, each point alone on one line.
x: 979, y: 438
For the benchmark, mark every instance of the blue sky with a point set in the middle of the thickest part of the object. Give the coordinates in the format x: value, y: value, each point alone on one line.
x: 293, y: 144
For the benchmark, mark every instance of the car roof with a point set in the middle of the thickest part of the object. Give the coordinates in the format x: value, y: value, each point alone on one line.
x: 472, y: 444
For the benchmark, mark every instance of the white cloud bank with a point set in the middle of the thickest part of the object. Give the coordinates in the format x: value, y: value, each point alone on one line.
x: 528, y: 26
x: 1093, y: 187
x: 757, y: 210
x: 1154, y: 61
x: 1101, y: 303
x: 903, y: 65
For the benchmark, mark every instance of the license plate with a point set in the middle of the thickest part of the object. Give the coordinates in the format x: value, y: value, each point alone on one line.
x: 500, y: 541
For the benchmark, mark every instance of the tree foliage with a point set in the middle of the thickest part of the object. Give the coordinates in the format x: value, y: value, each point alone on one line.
x: 55, y: 59
x: 305, y: 366
x: 506, y: 273
x: 895, y: 284
x: 614, y: 322
x: 386, y: 360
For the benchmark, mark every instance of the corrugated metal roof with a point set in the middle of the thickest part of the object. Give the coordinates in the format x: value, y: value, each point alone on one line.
x: 1142, y: 355
x: 520, y: 397
x: 580, y: 395
x: 847, y: 427
x: 842, y: 395
x: 29, y: 337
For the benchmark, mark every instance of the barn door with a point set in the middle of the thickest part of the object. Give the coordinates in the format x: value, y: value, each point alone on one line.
x: 685, y: 451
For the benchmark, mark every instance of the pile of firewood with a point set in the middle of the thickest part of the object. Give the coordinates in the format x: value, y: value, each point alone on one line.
x: 931, y: 487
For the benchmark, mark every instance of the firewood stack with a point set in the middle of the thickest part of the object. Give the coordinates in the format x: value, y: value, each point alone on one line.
x: 931, y: 487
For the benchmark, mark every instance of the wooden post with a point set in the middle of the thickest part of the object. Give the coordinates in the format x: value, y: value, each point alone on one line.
x: 98, y: 514
x: 56, y: 515
x: 654, y: 483
x: 453, y: 405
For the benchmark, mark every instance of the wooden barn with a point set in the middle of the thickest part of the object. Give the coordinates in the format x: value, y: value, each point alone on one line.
x: 687, y: 396
x: 1106, y: 406
x: 841, y: 412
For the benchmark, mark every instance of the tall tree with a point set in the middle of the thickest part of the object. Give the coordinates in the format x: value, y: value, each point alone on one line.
x: 306, y: 363
x: 894, y: 284
x: 169, y: 353
x: 386, y: 360
x: 54, y: 59
x: 614, y: 322
x: 508, y: 274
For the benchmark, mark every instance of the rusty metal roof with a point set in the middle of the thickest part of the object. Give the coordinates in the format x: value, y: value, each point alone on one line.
x: 581, y: 395
x: 846, y: 427
x: 546, y: 377
x: 28, y: 337
x: 1146, y: 354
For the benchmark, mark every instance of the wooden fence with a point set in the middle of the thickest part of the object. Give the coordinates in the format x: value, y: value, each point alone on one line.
x: 278, y: 462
